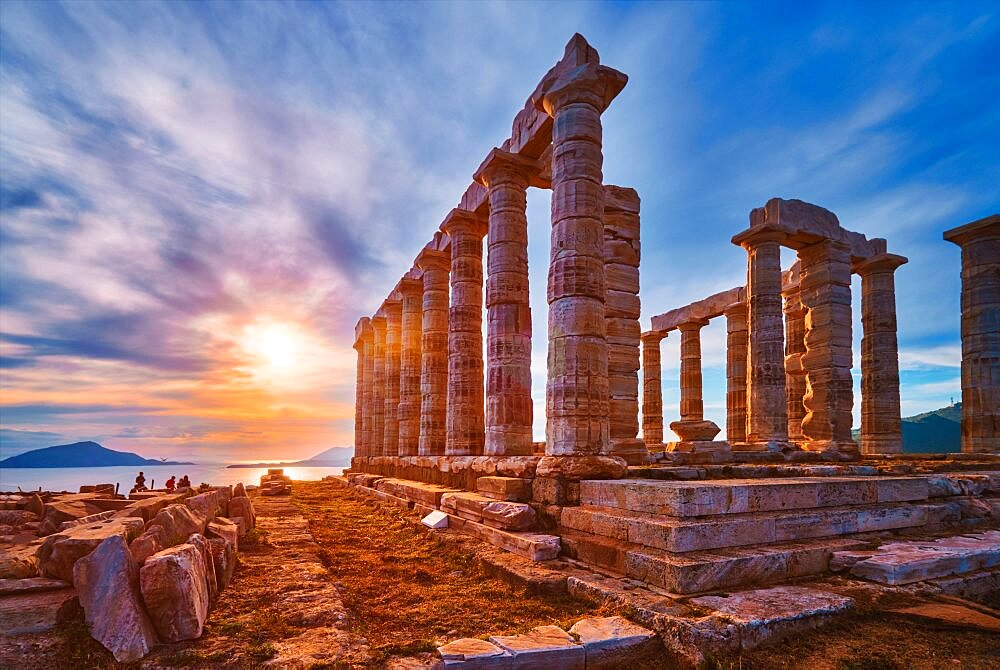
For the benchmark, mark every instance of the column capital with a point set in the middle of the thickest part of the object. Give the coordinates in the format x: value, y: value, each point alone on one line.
x: 464, y: 221
x: 987, y: 227
x: 362, y: 332
x: 502, y: 166
x: 879, y: 263
x: 736, y: 310
x: 757, y: 235
x: 391, y: 309
x: 692, y: 325
x: 590, y: 83
x: 409, y: 286
x: 653, y: 336
x: 432, y: 259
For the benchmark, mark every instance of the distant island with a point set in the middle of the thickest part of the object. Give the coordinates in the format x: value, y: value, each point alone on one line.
x: 334, y: 457
x: 937, y: 432
x: 79, y: 455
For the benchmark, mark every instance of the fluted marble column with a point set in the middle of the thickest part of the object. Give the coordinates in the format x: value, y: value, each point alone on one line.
x: 652, y: 391
x: 434, y: 352
x: 378, y: 385
x: 393, y: 309
x: 881, y: 429
x: 825, y: 291
x: 980, y: 243
x: 509, y: 409
x: 736, y: 373
x: 692, y: 428
x: 795, y: 372
x: 362, y: 390
x: 577, y: 387
x: 767, y: 413
x: 465, y: 422
x: 412, y: 291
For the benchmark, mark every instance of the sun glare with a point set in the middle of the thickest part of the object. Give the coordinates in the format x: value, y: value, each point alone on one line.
x: 276, y: 350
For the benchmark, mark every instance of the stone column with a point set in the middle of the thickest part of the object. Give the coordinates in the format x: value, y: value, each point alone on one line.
x: 795, y: 347
x: 577, y: 388
x: 767, y: 414
x: 736, y: 373
x: 434, y: 352
x: 652, y: 392
x: 465, y: 422
x: 509, y: 408
x: 412, y: 291
x: 881, y: 430
x: 363, y: 391
x: 825, y: 291
x: 980, y: 243
x: 694, y: 432
x: 378, y: 384
x: 393, y: 308
x: 621, y: 320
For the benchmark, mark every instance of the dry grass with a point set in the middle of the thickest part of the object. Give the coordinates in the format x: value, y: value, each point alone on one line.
x: 407, y: 590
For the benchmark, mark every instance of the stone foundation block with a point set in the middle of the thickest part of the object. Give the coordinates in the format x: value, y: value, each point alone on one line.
x: 613, y: 642
x: 512, y: 489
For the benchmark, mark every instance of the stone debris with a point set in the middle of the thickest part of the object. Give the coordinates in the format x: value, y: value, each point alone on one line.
x: 242, y: 507
x: 174, y: 587
x: 225, y: 529
x: 59, y: 552
x: 435, y: 520
x: 107, y: 581
x: 205, y: 549
x: 178, y: 523
x: 224, y: 559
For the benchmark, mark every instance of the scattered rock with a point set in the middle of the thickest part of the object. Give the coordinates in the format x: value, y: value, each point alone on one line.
x: 224, y: 559
x: 205, y: 550
x: 35, y: 505
x: 107, y: 582
x: 223, y: 528
x: 174, y: 588
x: 19, y: 562
x: 243, y: 507
x: 151, y: 541
x: 59, y: 552
x: 9, y: 587
x: 205, y: 504
x: 178, y: 522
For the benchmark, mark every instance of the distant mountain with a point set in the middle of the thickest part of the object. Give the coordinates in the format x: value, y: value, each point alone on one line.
x: 334, y: 457
x: 79, y: 455
x: 937, y: 432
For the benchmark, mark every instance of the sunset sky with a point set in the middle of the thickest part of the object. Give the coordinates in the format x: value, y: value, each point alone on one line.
x: 199, y: 200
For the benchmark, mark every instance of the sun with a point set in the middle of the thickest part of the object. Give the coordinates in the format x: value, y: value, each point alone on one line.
x: 275, y: 350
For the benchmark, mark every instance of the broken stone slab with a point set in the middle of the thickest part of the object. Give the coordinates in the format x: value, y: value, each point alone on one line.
x: 175, y: 591
x: 59, y: 552
x: 206, y: 504
x: 914, y: 561
x: 20, y: 562
x: 224, y: 558
x: 472, y: 654
x: 763, y: 615
x: 178, y: 523
x: 507, y: 515
x: 211, y: 581
x: 9, y: 587
x: 151, y: 541
x: 67, y: 509
x: 91, y: 518
x: 612, y: 642
x: 510, y: 489
x: 107, y: 581
x: 435, y: 520
x: 543, y: 647
x: 147, y: 508
x: 242, y: 506
x: 16, y: 517
x: 225, y: 529
x: 27, y: 613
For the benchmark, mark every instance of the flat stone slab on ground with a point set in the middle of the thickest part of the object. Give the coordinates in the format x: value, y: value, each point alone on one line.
x: 30, y: 585
x: 36, y: 612
x: 611, y: 642
x: 547, y: 647
x: 918, y: 560
x: 471, y: 654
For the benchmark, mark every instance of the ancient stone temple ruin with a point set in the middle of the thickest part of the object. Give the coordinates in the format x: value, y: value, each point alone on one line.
x: 786, y: 492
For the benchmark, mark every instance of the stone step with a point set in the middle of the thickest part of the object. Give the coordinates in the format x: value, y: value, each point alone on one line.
x: 739, y: 496
x: 919, y: 560
x: 736, y: 530
x: 511, y: 489
x: 533, y: 546
x: 699, y: 571
x: 418, y: 492
x: 496, y: 513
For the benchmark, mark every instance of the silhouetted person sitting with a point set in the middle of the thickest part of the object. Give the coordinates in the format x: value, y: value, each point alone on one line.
x: 140, y: 482
x: 184, y: 483
x: 171, y: 483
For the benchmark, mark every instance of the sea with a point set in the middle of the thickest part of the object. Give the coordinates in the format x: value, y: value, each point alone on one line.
x: 70, y: 479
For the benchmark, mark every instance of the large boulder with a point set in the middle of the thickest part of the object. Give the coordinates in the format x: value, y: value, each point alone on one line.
x: 224, y: 557
x: 60, y: 551
x: 175, y: 589
x: 225, y: 529
x: 243, y: 507
x: 178, y: 522
x: 152, y: 541
x: 205, y: 504
x: 107, y: 582
x: 205, y: 550
x: 20, y: 562
x: 58, y: 511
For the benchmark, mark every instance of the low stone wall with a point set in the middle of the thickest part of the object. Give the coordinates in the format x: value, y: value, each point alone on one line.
x: 459, y: 472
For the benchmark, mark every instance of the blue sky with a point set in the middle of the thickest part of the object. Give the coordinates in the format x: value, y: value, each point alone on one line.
x: 199, y: 200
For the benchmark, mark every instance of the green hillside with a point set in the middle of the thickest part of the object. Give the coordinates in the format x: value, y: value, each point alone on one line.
x: 937, y: 432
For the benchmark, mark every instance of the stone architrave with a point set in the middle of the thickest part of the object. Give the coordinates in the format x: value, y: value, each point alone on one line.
x: 695, y: 433
x: 795, y: 347
x: 980, y: 243
x: 434, y: 352
x: 509, y: 410
x: 408, y: 414
x: 362, y: 390
x: 652, y: 391
x: 825, y: 292
x: 622, y: 311
x: 736, y: 373
x: 881, y: 425
x: 378, y: 384
x: 577, y: 388
x: 466, y: 421
x: 767, y: 412
x: 393, y: 309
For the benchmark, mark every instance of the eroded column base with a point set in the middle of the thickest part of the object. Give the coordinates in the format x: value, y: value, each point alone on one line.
x: 633, y: 451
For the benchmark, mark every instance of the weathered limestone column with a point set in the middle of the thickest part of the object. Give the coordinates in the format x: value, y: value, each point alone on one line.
x: 465, y: 422
x: 980, y: 243
x: 767, y: 414
x: 434, y: 352
x: 378, y: 385
x: 509, y: 409
x: 393, y: 308
x: 362, y: 391
x: 825, y: 291
x: 736, y: 373
x: 795, y: 347
x: 881, y: 430
x: 577, y: 388
x: 652, y: 391
x: 694, y: 432
x: 621, y: 320
x: 412, y: 291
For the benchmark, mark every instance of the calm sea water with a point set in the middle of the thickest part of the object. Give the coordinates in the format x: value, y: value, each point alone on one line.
x: 70, y: 479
